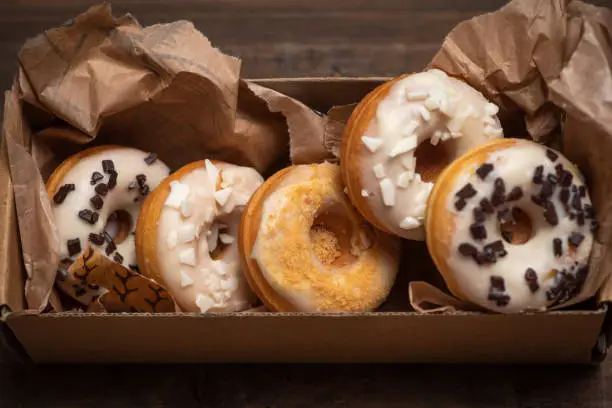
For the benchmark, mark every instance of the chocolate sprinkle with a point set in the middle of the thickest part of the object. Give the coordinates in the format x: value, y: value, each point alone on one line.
x: 110, y: 248
x: 150, y: 159
x: 144, y: 190
x: 550, y: 214
x: 501, y: 299
x: 582, y: 191
x: 134, y: 268
x: 484, y: 170
x: 460, y: 204
x: 515, y: 194
x: 112, y: 217
x: 478, y: 232
x: 89, y: 216
x: 108, y: 166
x: 467, y: 249
x: 499, y: 190
x: 537, y: 175
x: 507, y: 236
x: 118, y: 257
x: 486, y: 206
x: 62, y: 192
x: 557, y: 247
x: 575, y: 239
x: 112, y: 180
x: 564, y: 195
x: 96, y: 201
x: 107, y: 237
x: 594, y: 225
x: 577, y: 202
x: 551, y: 155
x: 532, y: 280
x: 538, y: 200
x: 497, y: 283
x: 505, y: 216
x: 580, y: 219
x: 588, y: 211
x: 141, y: 179
x: 566, y: 178
x: 74, y: 246
x: 466, y: 192
x: 547, y: 190
x: 559, y: 170
x: 479, y: 215
x: 95, y: 177
x: 496, y: 248
x: 552, y: 179
x: 96, y: 239
x: 101, y: 189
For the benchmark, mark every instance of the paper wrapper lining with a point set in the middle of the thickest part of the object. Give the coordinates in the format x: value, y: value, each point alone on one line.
x: 162, y: 88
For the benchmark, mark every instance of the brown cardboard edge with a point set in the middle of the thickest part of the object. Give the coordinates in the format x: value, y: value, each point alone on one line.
x: 30, y: 327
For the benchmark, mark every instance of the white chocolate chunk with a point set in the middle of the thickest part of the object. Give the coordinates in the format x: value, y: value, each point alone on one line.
x: 229, y: 177
x: 171, y: 240
x: 178, y: 193
x: 188, y: 257
x: 456, y: 135
x: 365, y: 193
x: 408, y: 131
x: 213, y: 235
x: 403, y: 180
x: 229, y: 284
x: 186, y: 208
x: 445, y: 135
x: 409, y: 223
x: 388, y: 192
x: 213, y: 173
x: 404, y: 145
x: 226, y: 238
x: 222, y: 196
x: 379, y: 170
x: 186, y: 233
x: 409, y: 162
x: 416, y: 178
x: 204, y: 302
x: 489, y: 120
x: 491, y: 131
x: 435, y: 138
x: 372, y: 143
x: 417, y: 95
x: 424, y: 113
x: 185, y: 280
x: 220, y: 267
x: 491, y: 109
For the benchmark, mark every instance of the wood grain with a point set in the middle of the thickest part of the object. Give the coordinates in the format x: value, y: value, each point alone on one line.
x: 278, y: 38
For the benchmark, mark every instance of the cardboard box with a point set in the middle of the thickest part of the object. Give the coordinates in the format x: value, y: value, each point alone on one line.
x: 576, y: 336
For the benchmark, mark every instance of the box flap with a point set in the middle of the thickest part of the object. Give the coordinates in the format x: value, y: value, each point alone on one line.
x: 566, y: 337
x: 11, y: 278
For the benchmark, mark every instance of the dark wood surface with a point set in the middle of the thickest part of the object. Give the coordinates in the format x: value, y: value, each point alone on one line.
x: 278, y: 38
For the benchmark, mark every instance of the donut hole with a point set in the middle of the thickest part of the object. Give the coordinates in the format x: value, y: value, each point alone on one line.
x: 519, y: 231
x: 119, y: 225
x: 431, y: 160
x: 330, y: 235
x: 218, y: 240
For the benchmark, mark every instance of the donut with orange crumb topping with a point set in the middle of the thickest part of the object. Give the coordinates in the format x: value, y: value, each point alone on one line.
x: 305, y: 248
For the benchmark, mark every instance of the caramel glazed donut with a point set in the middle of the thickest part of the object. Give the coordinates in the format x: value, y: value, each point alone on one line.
x: 510, y: 227
x: 306, y: 249
x: 388, y: 168
x: 97, y: 195
x: 186, y: 236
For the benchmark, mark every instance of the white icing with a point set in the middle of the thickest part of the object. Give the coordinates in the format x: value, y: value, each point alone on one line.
x: 516, y: 165
x: 198, y: 235
x: 454, y: 119
x: 128, y: 163
x: 171, y: 240
x: 409, y: 223
x: 403, y: 180
x: 186, y: 209
x: 185, y: 280
x: 371, y: 143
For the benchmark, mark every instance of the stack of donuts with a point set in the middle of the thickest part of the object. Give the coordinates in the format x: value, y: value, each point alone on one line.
x: 508, y: 222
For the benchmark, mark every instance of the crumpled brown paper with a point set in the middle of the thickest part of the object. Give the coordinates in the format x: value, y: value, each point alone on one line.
x: 548, y: 64
x: 162, y: 88
x: 124, y: 289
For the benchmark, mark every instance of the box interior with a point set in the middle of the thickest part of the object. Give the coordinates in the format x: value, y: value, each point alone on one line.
x: 294, y: 337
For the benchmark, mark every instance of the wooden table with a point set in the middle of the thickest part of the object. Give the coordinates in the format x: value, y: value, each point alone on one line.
x: 292, y: 38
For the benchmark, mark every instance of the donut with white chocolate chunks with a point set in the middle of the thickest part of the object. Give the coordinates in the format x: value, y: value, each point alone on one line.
x: 306, y: 249
x: 399, y: 139
x: 186, y: 238
x: 96, y: 196
x: 510, y: 227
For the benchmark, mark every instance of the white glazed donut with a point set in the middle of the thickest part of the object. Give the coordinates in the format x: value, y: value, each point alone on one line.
x: 187, y: 236
x: 399, y: 139
x: 510, y: 227
x: 95, y: 191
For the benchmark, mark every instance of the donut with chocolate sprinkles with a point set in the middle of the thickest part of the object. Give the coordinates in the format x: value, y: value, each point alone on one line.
x: 90, y: 187
x: 524, y: 238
